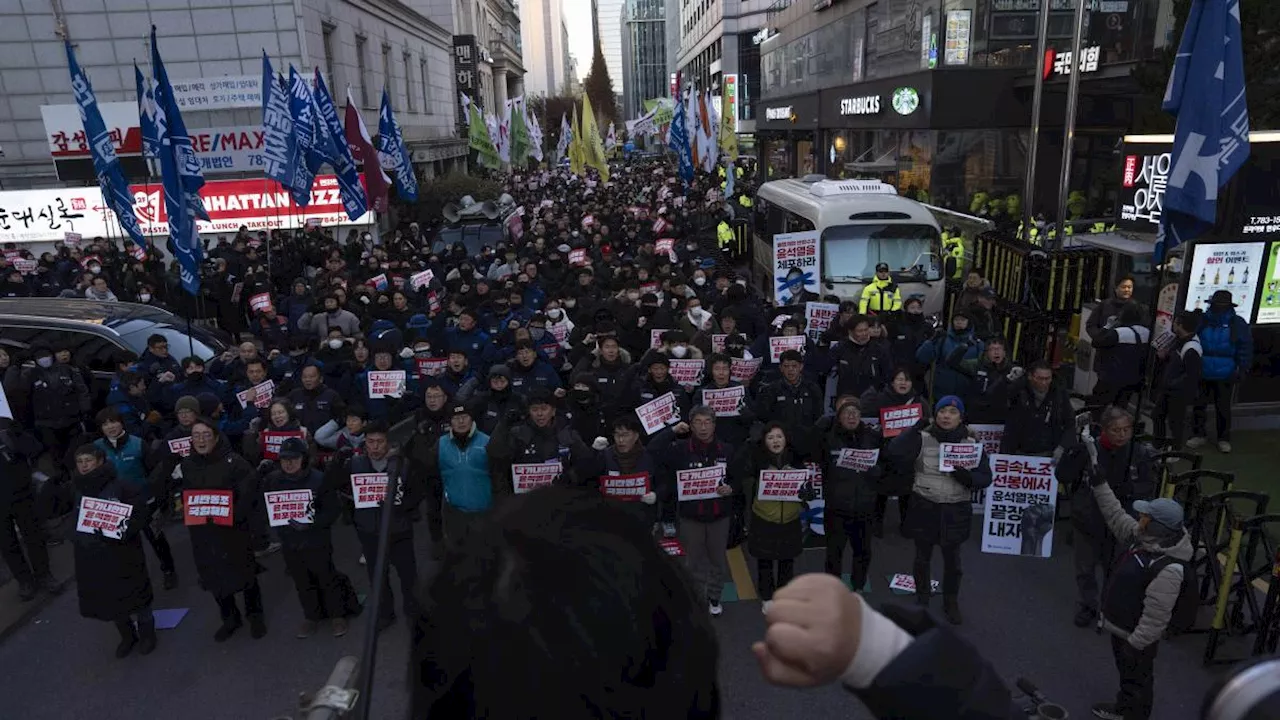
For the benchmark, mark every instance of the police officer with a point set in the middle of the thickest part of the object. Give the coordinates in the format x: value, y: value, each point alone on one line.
x: 881, y: 295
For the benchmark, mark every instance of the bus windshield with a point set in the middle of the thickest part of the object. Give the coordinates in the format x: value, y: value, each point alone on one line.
x: 850, y: 253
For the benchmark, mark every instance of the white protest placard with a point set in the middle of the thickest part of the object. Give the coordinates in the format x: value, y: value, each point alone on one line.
x: 180, y: 446
x: 990, y: 437
x: 665, y: 246
x: 781, y: 485
x: 655, y: 337
x: 263, y: 393
x: 796, y: 265
x: 858, y: 459
x: 743, y: 369
x: 1018, y: 516
x: 72, y: 239
x: 378, y: 282
x: 420, y: 280
x: 386, y: 383
x: 368, y: 489
x: 108, y: 516
x: 578, y: 257
x: 431, y: 367
x: 818, y: 318
x: 717, y: 342
x: 779, y: 344
x: 699, y: 483
x: 726, y: 402
x: 286, y: 505
x: 958, y: 455
x: 896, y: 419
x: 658, y: 413
x: 260, y: 302
x: 529, y: 476
x: 905, y: 583
x: 687, y: 372
x: 24, y: 266
x: 629, y: 488
x: 273, y: 439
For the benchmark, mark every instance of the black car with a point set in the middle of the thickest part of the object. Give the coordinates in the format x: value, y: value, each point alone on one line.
x: 97, y: 332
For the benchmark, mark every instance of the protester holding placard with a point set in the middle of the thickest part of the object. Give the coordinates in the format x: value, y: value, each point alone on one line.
x: 653, y: 381
x: 900, y: 392
x: 1041, y: 420
x: 730, y: 400
x: 388, y: 389
x: 304, y: 507
x: 111, y: 568
x: 260, y: 446
x: 774, y: 534
x: 794, y: 401
x: 904, y: 332
x: 223, y: 552
x: 704, y: 524
x: 541, y: 439
x: 941, y: 512
x: 862, y: 362
x: 851, y: 486
x: 609, y: 367
x: 991, y: 379
x: 582, y: 410
x: 167, y: 452
x: 376, y: 476
x: 628, y: 472
x: 459, y: 467
x: 938, y: 352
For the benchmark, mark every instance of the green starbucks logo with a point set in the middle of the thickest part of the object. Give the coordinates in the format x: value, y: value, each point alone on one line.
x: 905, y: 100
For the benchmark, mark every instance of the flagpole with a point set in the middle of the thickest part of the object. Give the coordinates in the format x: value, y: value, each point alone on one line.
x: 1069, y: 128
x: 1037, y: 99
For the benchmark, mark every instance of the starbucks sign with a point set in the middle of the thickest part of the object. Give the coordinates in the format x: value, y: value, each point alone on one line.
x: 905, y: 100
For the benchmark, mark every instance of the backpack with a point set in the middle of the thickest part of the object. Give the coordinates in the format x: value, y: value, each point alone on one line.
x: 1187, y: 606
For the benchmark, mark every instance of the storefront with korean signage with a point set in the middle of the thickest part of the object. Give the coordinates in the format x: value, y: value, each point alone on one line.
x: 787, y: 136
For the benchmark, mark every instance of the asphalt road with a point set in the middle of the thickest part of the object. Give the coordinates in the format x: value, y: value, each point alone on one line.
x: 59, y: 665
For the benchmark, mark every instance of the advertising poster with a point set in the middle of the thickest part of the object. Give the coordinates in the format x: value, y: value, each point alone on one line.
x: 1233, y: 267
x: 1018, y: 518
x: 1269, y: 307
x: 796, y: 264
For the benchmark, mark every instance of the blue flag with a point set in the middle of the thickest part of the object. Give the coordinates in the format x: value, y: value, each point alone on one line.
x: 1211, y: 142
x: 147, y: 115
x: 679, y: 140
x: 300, y: 110
x: 354, y: 199
x: 181, y: 177
x: 392, y: 153
x: 115, y: 189
x: 278, y: 149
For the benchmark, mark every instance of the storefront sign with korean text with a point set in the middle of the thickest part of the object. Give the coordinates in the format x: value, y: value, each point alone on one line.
x: 625, y: 487
x: 699, y: 483
x: 109, y: 517
x: 201, y: 507
x: 528, y: 476
x: 781, y: 485
x: 1018, y: 518
x: 286, y: 505
x: 658, y: 413
x: 1142, y: 189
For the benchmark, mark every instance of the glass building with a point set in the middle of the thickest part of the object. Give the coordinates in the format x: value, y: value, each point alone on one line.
x: 644, y: 55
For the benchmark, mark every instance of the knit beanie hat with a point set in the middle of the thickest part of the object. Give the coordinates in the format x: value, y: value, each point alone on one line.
x: 949, y: 401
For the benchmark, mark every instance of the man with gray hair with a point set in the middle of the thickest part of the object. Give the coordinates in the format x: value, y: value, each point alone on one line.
x: 694, y: 473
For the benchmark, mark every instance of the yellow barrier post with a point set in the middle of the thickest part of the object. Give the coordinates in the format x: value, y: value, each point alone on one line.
x: 1224, y: 591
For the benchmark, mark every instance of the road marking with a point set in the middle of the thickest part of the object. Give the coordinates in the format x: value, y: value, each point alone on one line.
x: 742, y: 581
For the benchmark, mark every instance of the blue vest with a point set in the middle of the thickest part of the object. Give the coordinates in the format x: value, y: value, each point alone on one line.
x: 465, y: 473
x: 127, y: 461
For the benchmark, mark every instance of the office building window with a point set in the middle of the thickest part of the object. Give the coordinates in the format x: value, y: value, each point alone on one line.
x: 362, y: 69
x: 408, y: 84
x: 426, y: 86
x: 386, y: 75
x: 327, y: 35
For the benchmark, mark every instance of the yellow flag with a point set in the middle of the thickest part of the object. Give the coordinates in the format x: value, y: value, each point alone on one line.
x: 575, y: 145
x: 591, y: 142
x: 728, y: 135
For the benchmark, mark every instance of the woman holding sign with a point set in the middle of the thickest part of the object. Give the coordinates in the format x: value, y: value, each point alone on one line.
x: 111, y: 569
x: 851, y: 476
x: 900, y: 398
x: 948, y: 468
x: 218, y: 494
x: 773, y: 479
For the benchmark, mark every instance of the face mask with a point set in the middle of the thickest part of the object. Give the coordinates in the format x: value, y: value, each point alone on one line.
x: 582, y: 397
x: 332, y: 311
x: 144, y: 297
x: 679, y: 351
x: 95, y: 269
x: 364, y: 299
x: 45, y: 362
x: 633, y: 297
x: 691, y: 247
x: 195, y: 378
x: 699, y: 281
x: 571, y: 303
x: 335, y: 343
x: 516, y: 306
x: 537, y: 333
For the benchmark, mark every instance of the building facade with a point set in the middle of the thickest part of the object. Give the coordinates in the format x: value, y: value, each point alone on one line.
x: 717, y: 46
x: 936, y: 97
x: 545, y: 49
x: 368, y: 45
x: 607, y: 25
x: 490, y: 29
x: 644, y: 54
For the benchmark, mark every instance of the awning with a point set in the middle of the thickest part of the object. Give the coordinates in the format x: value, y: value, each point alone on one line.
x: 1131, y: 244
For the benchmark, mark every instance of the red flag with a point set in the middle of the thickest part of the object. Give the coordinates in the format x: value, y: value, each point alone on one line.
x: 375, y: 183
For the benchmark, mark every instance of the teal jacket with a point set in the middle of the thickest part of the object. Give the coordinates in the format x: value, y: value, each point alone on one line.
x: 468, y: 486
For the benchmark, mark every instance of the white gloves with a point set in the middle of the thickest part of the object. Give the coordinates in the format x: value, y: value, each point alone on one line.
x: 599, y: 444
x: 649, y: 498
x: 1015, y: 373
x: 406, y: 353
x: 1057, y: 455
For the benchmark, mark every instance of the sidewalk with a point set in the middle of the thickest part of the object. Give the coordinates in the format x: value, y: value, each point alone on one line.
x: 14, y: 612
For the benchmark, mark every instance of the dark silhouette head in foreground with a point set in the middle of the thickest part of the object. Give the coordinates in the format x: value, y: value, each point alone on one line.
x: 562, y: 607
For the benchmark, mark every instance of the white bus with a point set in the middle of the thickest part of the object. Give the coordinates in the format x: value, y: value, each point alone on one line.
x: 862, y: 223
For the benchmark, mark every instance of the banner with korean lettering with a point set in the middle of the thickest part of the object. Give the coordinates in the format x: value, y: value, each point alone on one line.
x: 896, y: 419
x: 386, y: 383
x: 262, y: 392
x: 629, y: 488
x: 700, y: 483
x: 180, y: 446
x: 1018, y: 518
x: 431, y: 367
x: 417, y: 281
x: 781, y: 485
x: 687, y: 372
x: 526, y: 477
x: 273, y: 439
x: 953, y: 455
x: 989, y: 436
x: 744, y: 369
x: 285, y: 506
x: 779, y: 344
x: 368, y: 490
x: 726, y: 402
x: 108, y: 517
x: 204, y: 507
x: 858, y: 459
x: 797, y: 264
x: 659, y: 413
x: 818, y: 318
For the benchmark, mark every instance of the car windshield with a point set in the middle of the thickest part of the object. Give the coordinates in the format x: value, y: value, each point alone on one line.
x: 200, y: 344
x: 850, y: 253
x: 473, y: 237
